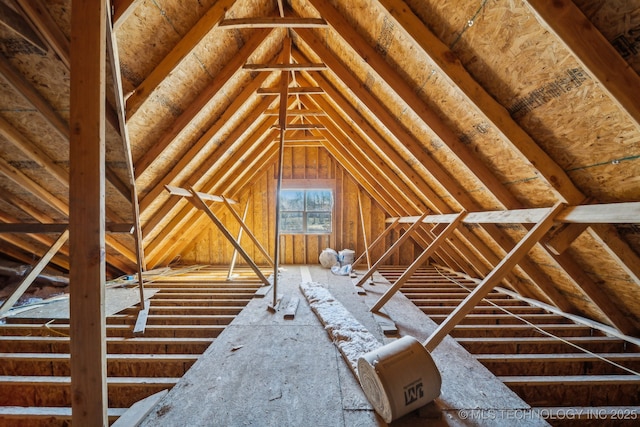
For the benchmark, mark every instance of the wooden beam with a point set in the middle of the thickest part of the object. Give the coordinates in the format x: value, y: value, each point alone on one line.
x: 605, y: 213
x: 419, y: 261
x: 114, y: 60
x: 16, y: 23
x: 234, y: 257
x: 122, y: 9
x: 303, y: 126
x: 378, y: 239
x: 453, y: 70
x: 200, y: 204
x: 34, y: 273
x: 183, y: 192
x: 178, y: 53
x: 33, y: 228
x: 407, y: 92
x: 561, y: 238
x: 237, y: 160
x: 492, y: 279
x: 87, y: 213
x: 273, y: 22
x: 282, y: 122
x: 205, y: 165
x: 390, y: 251
x: 192, y: 155
x: 295, y: 90
x: 297, y: 111
x: 617, y: 248
x: 41, y: 19
x: 285, y: 67
x: 26, y: 89
x: 243, y: 226
x: 596, y: 54
x: 250, y: 160
x: 188, y: 115
x: 458, y: 194
x: 364, y: 230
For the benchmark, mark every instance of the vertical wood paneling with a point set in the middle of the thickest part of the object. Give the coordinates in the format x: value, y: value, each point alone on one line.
x: 309, y: 164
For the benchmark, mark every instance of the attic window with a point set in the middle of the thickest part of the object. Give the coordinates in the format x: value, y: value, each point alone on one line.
x: 306, y: 211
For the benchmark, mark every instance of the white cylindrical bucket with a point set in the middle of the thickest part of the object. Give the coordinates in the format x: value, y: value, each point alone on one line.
x: 346, y: 256
x: 399, y: 377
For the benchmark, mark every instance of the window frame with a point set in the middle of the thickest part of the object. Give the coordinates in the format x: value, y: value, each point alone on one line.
x: 305, y: 211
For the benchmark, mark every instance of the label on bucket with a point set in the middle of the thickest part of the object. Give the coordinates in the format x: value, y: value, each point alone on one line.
x: 413, y: 392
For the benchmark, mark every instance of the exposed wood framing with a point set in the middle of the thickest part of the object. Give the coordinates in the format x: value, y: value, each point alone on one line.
x: 87, y: 214
x: 177, y: 54
x: 492, y: 279
x: 420, y: 260
x: 33, y: 274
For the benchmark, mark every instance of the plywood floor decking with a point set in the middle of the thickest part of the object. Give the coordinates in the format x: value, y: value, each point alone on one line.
x: 265, y: 370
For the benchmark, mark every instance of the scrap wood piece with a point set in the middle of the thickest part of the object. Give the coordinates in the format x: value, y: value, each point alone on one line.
x: 141, y: 321
x: 291, y: 307
x: 350, y: 337
x: 262, y: 291
x: 385, y: 322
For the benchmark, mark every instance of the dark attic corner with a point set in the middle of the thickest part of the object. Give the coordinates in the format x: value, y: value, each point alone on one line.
x: 319, y: 212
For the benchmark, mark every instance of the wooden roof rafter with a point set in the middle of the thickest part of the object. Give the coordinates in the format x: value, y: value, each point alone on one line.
x: 252, y: 139
x: 265, y: 151
x: 184, y: 47
x: 440, y: 175
x: 208, y: 164
x: 547, y: 168
x: 203, y: 98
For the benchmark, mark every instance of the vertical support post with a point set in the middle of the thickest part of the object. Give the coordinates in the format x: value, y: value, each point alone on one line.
x: 364, y: 230
x: 87, y: 214
x: 422, y: 258
x: 494, y: 277
x: 282, y: 118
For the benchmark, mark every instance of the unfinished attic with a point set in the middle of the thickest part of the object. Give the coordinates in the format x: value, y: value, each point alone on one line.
x: 238, y: 212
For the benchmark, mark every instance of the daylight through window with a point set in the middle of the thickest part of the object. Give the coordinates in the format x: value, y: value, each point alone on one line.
x: 306, y: 211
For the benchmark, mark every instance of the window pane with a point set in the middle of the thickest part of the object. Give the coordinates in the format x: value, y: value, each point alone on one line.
x: 318, y: 222
x: 292, y: 200
x: 319, y: 200
x: 291, y: 222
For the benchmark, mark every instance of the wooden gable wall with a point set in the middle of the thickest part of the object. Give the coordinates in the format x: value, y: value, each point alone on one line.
x: 311, y: 167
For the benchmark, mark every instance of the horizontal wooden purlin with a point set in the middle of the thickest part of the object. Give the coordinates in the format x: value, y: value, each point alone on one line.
x: 177, y: 191
x: 295, y: 143
x: 301, y: 126
x: 37, y: 228
x: 296, y: 112
x: 285, y: 67
x: 273, y: 22
x: 311, y: 139
x: 608, y: 213
x: 290, y: 91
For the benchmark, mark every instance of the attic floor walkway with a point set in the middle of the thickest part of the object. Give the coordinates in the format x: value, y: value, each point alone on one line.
x: 266, y: 370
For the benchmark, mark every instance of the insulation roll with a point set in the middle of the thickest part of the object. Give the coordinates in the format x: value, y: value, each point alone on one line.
x: 399, y: 377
